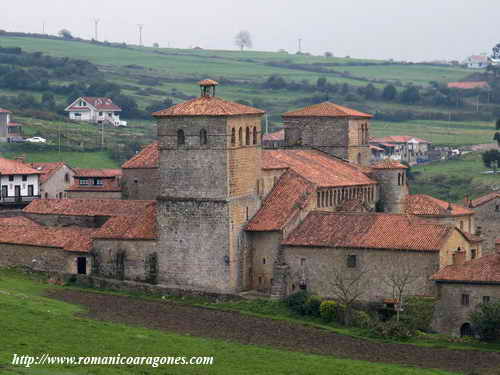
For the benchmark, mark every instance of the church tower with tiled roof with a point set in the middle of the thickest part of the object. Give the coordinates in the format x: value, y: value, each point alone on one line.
x: 210, y: 185
x: 334, y: 129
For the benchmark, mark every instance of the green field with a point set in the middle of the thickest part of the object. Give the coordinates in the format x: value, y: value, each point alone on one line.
x: 73, y: 159
x: 32, y: 325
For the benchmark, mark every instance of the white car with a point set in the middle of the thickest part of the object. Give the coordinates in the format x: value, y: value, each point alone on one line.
x: 36, y: 140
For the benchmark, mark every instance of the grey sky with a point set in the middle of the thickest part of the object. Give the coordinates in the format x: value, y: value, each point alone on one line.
x: 411, y: 30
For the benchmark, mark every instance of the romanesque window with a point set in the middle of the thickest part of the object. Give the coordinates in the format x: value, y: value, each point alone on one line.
x: 473, y: 253
x: 254, y: 135
x: 319, y: 199
x: 152, y: 268
x: 181, y: 138
x: 263, y: 260
x: 465, y: 300
x: 203, y: 137
x: 240, y: 136
x: 399, y: 178
x: 233, y: 136
x: 247, y: 136
x: 351, y: 261
x: 120, y: 265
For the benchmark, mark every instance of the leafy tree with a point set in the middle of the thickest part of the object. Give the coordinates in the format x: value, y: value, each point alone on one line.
x: 370, y: 92
x: 65, y: 34
x: 496, y: 137
x: 321, y: 83
x: 48, y: 101
x: 491, y: 159
x: 486, y: 321
x: 410, y: 95
x: 497, y: 125
x: 243, y: 39
x: 328, y: 54
x: 159, y: 105
x: 496, y: 51
x: 275, y: 82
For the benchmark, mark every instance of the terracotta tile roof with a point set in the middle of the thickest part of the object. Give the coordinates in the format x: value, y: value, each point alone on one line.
x: 316, y: 167
x: 69, y: 239
x: 371, y: 231
x: 421, y: 204
x: 208, y: 106
x: 288, y: 196
x: 388, y: 164
x: 4, y: 110
x: 398, y: 139
x: 87, y: 207
x: 140, y: 227
x: 468, y: 85
x: 481, y: 270
x: 92, y: 172
x: 149, y: 157
x: 10, y: 167
x: 14, y: 124
x: 208, y: 82
x: 472, y: 237
x: 275, y: 136
x: 326, y: 109
x: 108, y: 185
x: 352, y: 205
x: 375, y: 148
x: 484, y: 199
x: 102, y: 104
x: 19, y: 221
x: 47, y: 169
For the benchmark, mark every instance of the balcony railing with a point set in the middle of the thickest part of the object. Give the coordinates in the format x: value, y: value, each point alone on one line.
x: 20, y: 199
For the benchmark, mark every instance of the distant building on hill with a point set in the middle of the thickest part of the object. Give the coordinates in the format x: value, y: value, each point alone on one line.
x: 95, y: 110
x: 405, y: 148
x: 468, y: 85
x: 477, y: 62
x: 8, y: 130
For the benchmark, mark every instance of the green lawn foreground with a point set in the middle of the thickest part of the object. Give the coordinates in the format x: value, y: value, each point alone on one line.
x: 32, y: 324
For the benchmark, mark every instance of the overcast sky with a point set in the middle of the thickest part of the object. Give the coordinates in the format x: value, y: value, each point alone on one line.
x: 401, y: 29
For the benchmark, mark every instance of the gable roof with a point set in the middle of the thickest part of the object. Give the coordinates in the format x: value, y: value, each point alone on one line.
x: 15, y: 167
x: 388, y: 164
x: 93, y: 172
x: 422, y: 204
x: 274, y: 136
x: 100, y: 104
x: 481, y: 270
x: 370, y: 231
x: 288, y: 196
x: 484, y: 199
x: 149, y: 157
x: 4, y: 110
x: 398, y: 139
x: 47, y: 170
x: 316, y: 167
x: 208, y: 106
x: 326, y: 109
x: 468, y: 85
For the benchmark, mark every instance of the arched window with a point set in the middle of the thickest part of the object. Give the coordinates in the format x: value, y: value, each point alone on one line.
x: 233, y: 136
x: 203, y: 137
x: 318, y: 203
x: 359, y: 158
x: 247, y: 136
x: 240, y: 136
x: 254, y: 135
x: 181, y: 138
x: 399, y: 178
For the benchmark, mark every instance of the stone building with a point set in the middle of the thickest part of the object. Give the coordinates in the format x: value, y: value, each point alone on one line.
x: 487, y: 217
x: 4, y: 124
x: 141, y: 176
x: 55, y: 179
x: 92, y: 183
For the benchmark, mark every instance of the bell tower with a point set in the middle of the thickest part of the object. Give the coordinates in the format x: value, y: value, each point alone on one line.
x: 210, y: 166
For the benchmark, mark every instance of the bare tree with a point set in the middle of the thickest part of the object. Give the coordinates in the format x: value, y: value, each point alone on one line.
x: 65, y: 34
x: 243, y: 39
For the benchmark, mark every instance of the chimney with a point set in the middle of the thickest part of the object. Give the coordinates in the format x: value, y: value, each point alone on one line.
x: 458, y: 257
x: 467, y: 201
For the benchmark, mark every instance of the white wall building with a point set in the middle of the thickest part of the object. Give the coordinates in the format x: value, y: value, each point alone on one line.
x: 19, y: 183
x: 95, y: 110
x: 477, y: 62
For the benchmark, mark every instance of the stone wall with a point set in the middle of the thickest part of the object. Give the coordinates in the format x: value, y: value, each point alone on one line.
x: 488, y: 218
x: 265, y: 246
x: 141, y: 184
x: 94, y: 194
x: 392, y: 190
x: 450, y: 313
x: 56, y: 185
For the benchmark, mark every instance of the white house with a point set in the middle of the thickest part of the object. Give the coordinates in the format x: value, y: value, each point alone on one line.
x: 477, y: 62
x: 96, y: 110
x: 19, y: 183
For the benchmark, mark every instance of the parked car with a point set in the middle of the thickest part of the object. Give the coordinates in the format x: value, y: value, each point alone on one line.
x: 36, y: 140
x: 16, y: 140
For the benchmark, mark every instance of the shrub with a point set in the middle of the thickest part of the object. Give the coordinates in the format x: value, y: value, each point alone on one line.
x: 392, y: 329
x: 297, y: 302
x: 420, y: 310
x: 328, y: 310
x: 486, y: 321
x: 361, y: 319
x: 312, y: 306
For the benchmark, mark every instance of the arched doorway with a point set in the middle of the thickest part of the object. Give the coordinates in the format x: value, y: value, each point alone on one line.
x: 466, y: 330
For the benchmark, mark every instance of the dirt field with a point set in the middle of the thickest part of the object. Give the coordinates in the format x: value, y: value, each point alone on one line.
x: 244, y: 329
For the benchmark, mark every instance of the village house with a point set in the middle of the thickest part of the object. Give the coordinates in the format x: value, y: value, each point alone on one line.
x: 141, y: 176
x: 487, y: 216
x: 55, y: 179
x: 91, y: 183
x: 19, y: 183
x: 477, y: 62
x: 411, y: 150
x: 274, y: 140
x: 95, y: 110
x: 9, y: 131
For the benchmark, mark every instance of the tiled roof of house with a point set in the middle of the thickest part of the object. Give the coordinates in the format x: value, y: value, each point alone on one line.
x: 19, y: 221
x: 370, y: 231
x: 398, y: 139
x: 274, y: 136
x: 148, y: 158
x: 69, y: 239
x: 208, y: 106
x: 326, y: 109
x: 479, y: 58
x: 352, y: 205
x: 87, y: 207
x: 388, y: 164
x: 14, y: 167
x: 484, y: 199
x: 102, y: 104
x: 92, y: 172
x: 316, y: 167
x: 421, y: 204
x: 14, y: 124
x: 4, y: 111
x: 468, y: 85
x: 472, y: 237
x: 108, y: 185
x: 47, y: 169
x: 288, y: 196
x: 139, y: 227
x: 481, y: 270
x: 375, y: 148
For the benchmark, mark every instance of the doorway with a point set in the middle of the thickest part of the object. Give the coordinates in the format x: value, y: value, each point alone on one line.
x: 81, y: 265
x: 17, y: 192
x: 466, y: 330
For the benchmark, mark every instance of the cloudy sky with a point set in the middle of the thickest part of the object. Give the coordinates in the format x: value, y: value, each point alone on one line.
x: 400, y: 29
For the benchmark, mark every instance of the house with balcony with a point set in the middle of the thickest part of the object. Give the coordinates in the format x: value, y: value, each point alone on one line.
x: 19, y: 182
x: 405, y: 148
x: 95, y: 110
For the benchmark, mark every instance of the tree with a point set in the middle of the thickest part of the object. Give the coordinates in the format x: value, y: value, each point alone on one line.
x: 491, y: 159
x: 389, y: 92
x: 496, y: 137
x: 243, y: 39
x: 410, y: 95
x: 497, y: 124
x: 486, y: 321
x: 48, y: 101
x: 495, y: 51
x: 65, y: 34
x: 328, y: 54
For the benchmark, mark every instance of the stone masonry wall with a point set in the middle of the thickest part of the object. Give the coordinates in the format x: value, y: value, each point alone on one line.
x: 141, y: 184
x: 392, y: 194
x: 488, y: 218
x: 94, y: 194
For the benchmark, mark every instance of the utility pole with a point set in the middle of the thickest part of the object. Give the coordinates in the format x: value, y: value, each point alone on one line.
x: 96, y: 26
x: 43, y: 27
x: 140, y: 26
x: 300, y: 44
x: 102, y: 135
